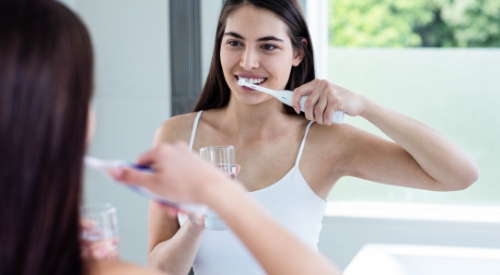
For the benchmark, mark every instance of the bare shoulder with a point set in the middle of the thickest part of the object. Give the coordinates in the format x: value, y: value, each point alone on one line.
x: 177, y: 128
x: 340, y: 143
x: 323, y: 136
x: 107, y: 267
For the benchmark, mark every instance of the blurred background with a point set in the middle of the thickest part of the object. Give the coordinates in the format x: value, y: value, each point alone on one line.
x: 435, y: 60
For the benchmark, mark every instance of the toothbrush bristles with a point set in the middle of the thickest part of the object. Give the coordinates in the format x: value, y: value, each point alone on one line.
x: 242, y: 81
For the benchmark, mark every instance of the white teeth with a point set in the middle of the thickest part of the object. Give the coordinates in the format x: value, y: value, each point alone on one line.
x: 253, y: 80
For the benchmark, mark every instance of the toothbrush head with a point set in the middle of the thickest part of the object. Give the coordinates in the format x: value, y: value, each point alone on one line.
x: 96, y: 163
x: 242, y: 81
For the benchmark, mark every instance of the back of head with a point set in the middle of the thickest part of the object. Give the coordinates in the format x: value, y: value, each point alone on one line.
x: 216, y: 92
x: 46, y: 80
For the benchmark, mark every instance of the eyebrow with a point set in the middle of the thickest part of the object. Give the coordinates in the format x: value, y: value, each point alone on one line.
x: 265, y: 38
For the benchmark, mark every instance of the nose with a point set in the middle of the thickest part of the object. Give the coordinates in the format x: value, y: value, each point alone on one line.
x: 249, y: 59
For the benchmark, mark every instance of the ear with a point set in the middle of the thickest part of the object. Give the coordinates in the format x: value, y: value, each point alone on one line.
x: 299, y: 55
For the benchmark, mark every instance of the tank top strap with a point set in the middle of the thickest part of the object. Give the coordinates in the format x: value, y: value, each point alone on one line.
x: 193, y: 132
x: 303, y: 143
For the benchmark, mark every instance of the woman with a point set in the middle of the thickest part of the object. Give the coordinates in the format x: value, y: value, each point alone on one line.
x: 288, y: 163
x: 46, y: 76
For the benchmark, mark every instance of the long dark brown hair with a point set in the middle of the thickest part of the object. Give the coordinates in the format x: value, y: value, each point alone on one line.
x: 46, y: 76
x: 215, y: 93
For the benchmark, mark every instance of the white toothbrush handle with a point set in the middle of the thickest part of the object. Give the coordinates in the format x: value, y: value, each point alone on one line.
x: 286, y: 97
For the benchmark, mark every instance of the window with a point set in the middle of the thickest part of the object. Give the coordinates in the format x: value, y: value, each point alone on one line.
x: 437, y: 61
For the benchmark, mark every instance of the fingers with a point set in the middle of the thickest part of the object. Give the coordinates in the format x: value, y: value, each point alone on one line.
x: 319, y: 109
x: 324, y: 98
x: 133, y: 176
x: 87, y: 224
x: 310, y: 104
x: 333, y: 105
x: 301, y: 91
x: 98, y: 250
x: 151, y: 156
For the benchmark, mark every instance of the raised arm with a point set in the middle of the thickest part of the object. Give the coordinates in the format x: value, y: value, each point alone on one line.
x: 419, y: 157
x: 183, y: 177
x: 445, y: 165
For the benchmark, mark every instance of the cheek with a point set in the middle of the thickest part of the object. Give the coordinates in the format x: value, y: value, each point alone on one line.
x: 227, y: 60
x: 279, y: 67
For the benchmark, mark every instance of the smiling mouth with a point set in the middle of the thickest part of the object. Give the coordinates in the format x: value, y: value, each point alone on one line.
x: 256, y: 81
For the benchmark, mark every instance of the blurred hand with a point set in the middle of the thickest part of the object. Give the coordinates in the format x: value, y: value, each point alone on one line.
x: 325, y: 98
x: 97, y: 250
x: 197, y: 220
x: 179, y: 174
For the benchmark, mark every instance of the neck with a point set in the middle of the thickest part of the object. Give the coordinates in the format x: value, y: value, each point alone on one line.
x: 255, y: 121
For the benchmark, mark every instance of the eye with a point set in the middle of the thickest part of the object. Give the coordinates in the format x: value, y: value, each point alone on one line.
x: 268, y: 47
x: 233, y: 43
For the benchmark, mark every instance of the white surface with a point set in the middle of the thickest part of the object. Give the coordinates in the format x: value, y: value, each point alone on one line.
x: 210, y: 10
x: 424, y: 260
x: 132, y: 98
x: 317, y: 20
x: 414, y: 211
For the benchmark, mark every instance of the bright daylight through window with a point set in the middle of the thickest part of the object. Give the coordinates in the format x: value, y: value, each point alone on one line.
x: 434, y: 60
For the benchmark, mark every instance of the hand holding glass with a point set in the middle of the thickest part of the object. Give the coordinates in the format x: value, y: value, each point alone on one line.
x: 223, y: 157
x: 99, y: 235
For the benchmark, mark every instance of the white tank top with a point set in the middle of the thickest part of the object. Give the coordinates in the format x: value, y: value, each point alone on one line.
x: 290, y: 201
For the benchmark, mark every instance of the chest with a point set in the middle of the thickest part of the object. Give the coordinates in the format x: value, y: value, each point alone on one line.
x: 263, y: 162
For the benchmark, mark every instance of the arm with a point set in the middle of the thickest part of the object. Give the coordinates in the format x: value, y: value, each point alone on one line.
x: 446, y: 167
x: 277, y: 250
x: 172, y: 247
x: 419, y: 158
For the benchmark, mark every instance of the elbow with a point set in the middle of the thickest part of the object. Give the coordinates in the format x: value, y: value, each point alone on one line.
x: 467, y: 178
x: 471, y: 176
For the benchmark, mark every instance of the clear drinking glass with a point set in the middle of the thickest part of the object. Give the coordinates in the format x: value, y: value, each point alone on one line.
x: 223, y: 157
x: 100, y: 230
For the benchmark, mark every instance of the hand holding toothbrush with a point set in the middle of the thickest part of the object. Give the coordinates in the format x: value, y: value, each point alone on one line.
x: 170, y: 179
x: 325, y: 99
x: 286, y: 96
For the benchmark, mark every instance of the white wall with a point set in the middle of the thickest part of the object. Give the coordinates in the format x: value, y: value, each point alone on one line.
x: 69, y: 3
x: 210, y: 10
x: 132, y: 97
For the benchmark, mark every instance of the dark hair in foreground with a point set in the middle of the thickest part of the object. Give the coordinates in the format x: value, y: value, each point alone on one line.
x: 215, y: 93
x: 46, y: 81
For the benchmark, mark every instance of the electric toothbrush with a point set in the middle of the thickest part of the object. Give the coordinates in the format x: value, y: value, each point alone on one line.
x: 104, y: 167
x: 285, y: 96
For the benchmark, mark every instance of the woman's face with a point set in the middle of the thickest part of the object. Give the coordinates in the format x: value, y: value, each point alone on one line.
x: 256, y: 46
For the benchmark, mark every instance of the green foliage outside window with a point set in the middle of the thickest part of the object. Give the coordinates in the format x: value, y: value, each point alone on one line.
x: 414, y: 23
